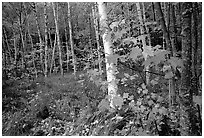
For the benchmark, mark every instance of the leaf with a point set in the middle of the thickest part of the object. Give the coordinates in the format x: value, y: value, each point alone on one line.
x: 163, y: 110
x: 131, y: 97
x: 143, y: 86
x: 154, y: 81
x: 160, y: 99
x: 169, y: 75
x: 103, y: 105
x: 135, y: 52
x: 118, y: 101
x: 132, y: 77
x: 145, y: 91
x: 126, y: 75
x: 176, y: 62
x: 150, y: 102
x: 197, y: 99
x: 112, y: 58
x: 148, y: 51
x: 125, y: 95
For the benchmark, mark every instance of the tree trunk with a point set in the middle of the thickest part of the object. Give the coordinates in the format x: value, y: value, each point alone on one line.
x: 146, y: 27
x: 71, y: 39
x: 39, y: 34
x: 53, y: 55
x: 185, y: 90
x: 23, y: 44
x: 67, y: 46
x: 97, y: 33
x: 142, y: 30
x: 46, y: 39
x: 15, y: 47
x: 173, y: 29
x: 32, y: 46
x: 168, y: 42
x: 90, y: 42
x: 110, y: 67
x: 153, y: 11
x: 7, y: 44
x: 195, y: 48
x: 58, y: 35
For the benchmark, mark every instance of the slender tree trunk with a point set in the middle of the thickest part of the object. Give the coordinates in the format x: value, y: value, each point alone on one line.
x: 142, y: 30
x: 39, y: 34
x: 173, y: 29
x: 110, y: 67
x: 195, y: 48
x: 146, y: 27
x: 53, y: 55
x: 67, y: 46
x: 90, y: 41
x: 168, y: 42
x: 71, y: 39
x: 185, y: 90
x: 97, y: 33
x: 58, y: 36
x: 7, y: 44
x: 15, y: 47
x: 153, y: 11
x: 46, y: 39
x: 23, y: 44
x: 33, y: 53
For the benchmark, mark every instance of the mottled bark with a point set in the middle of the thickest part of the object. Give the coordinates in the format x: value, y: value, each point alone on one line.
x: 46, y: 39
x: 97, y: 34
x: 110, y: 67
x: 185, y: 90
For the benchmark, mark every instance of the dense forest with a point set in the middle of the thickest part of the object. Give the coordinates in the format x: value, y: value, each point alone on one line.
x: 102, y: 68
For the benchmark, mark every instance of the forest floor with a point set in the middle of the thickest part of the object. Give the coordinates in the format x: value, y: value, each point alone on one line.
x: 68, y: 105
x: 26, y: 104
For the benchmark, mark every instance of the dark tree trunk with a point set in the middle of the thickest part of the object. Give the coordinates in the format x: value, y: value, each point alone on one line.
x: 185, y: 89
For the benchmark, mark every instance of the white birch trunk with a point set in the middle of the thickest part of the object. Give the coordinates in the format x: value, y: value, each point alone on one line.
x: 142, y: 30
x: 58, y: 37
x: 110, y: 67
x: 71, y: 40
x: 46, y: 39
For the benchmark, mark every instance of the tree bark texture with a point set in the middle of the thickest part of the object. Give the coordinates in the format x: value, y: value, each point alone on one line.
x: 110, y: 67
x: 71, y: 39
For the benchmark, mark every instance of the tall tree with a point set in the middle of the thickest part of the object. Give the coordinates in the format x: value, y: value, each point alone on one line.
x: 71, y: 39
x: 20, y: 23
x: 107, y: 43
x: 39, y: 33
x: 66, y: 39
x: 185, y: 88
x: 142, y: 31
x: 46, y: 39
x: 146, y: 26
x: 161, y: 20
x: 195, y: 47
x: 57, y: 34
x: 95, y: 17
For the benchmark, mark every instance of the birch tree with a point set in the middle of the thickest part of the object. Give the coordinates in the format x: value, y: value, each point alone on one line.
x: 161, y: 20
x: 66, y: 39
x: 39, y: 34
x: 110, y: 66
x: 57, y: 35
x: 46, y: 38
x: 71, y: 39
x: 142, y: 31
